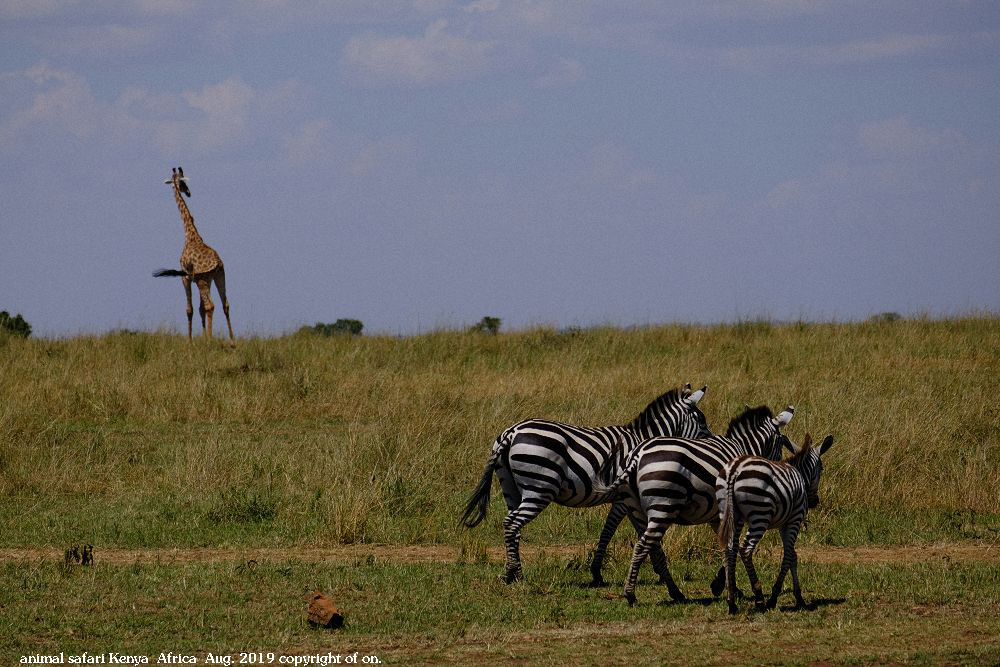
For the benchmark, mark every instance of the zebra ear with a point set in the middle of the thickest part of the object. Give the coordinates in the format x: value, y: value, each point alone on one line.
x: 686, y: 390
x: 827, y: 444
x: 785, y: 416
x: 697, y: 396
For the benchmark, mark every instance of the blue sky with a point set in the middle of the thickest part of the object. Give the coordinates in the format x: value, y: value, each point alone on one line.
x: 421, y: 164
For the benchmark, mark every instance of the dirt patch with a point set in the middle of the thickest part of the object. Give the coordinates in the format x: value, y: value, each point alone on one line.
x: 956, y: 553
x: 432, y: 553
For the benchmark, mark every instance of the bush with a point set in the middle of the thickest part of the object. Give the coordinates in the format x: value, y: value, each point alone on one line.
x: 16, y: 325
x: 340, y: 327
x: 886, y: 317
x: 488, y: 325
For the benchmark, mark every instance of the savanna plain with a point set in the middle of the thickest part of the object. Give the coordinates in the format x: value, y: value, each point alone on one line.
x: 219, y: 486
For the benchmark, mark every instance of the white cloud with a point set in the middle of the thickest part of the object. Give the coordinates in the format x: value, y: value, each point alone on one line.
x: 752, y: 58
x: 435, y: 57
x: 307, y: 144
x: 482, y: 6
x: 564, y: 72
x: 100, y: 40
x: 784, y: 194
x: 60, y: 99
x: 382, y: 154
x: 31, y: 9
x: 614, y: 165
x: 217, y: 116
x: 899, y: 137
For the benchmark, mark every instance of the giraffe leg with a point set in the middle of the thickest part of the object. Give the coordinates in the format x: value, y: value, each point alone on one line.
x: 186, y: 281
x: 204, y: 287
x: 220, y: 284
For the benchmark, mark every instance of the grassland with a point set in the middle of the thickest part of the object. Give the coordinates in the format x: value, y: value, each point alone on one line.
x: 142, y: 441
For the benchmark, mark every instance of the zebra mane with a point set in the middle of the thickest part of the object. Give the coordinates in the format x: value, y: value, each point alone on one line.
x: 671, y: 397
x: 751, y: 417
x: 803, y: 451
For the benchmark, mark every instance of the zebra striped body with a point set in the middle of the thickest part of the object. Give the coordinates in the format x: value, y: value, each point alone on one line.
x: 539, y: 462
x: 765, y: 494
x: 672, y: 481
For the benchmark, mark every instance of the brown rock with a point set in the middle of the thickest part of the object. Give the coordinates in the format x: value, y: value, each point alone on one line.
x: 323, y: 612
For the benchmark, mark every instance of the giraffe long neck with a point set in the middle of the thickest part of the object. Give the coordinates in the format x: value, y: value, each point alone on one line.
x: 190, y: 231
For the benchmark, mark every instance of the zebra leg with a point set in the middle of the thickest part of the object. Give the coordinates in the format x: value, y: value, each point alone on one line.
x: 652, y: 537
x: 730, y: 566
x: 754, y: 533
x: 512, y: 525
x: 787, y: 562
x: 615, y: 516
x: 788, y: 537
x: 719, y: 582
x: 658, y: 559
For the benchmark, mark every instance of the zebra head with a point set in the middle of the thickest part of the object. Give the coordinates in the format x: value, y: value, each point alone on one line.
x: 808, y: 461
x: 757, y: 429
x: 675, y: 414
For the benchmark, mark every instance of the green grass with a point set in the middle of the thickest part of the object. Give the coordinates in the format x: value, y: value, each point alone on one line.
x: 144, y: 441
x: 460, y: 612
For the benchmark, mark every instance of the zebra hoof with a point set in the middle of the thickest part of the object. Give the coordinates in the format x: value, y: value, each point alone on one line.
x: 598, y: 582
x: 630, y: 598
x: 511, y: 576
x: 677, y: 596
x: 718, y: 585
x: 733, y: 609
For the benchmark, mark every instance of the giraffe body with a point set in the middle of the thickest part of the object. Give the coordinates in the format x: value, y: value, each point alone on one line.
x: 200, y: 264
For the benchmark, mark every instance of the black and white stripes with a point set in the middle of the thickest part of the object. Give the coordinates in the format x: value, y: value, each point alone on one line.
x: 672, y: 480
x: 766, y: 494
x: 539, y: 462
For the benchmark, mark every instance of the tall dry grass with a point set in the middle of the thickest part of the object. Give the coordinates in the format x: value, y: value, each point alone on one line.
x: 142, y: 439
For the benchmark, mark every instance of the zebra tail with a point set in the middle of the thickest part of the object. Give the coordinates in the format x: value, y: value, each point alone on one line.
x: 167, y: 273
x: 727, y: 523
x: 607, y: 491
x: 475, y: 508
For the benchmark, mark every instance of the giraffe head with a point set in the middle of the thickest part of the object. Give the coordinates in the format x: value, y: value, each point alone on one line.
x: 177, y: 177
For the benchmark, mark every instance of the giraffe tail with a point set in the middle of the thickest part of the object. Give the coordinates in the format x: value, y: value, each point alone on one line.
x: 165, y: 273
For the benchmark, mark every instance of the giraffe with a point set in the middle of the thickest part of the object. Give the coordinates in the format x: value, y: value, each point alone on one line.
x: 200, y: 264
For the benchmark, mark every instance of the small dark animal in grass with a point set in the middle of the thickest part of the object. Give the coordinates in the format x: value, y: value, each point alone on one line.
x: 767, y: 494
x: 322, y: 612
x: 83, y: 556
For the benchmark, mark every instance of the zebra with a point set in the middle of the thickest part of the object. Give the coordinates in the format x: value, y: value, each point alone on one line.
x: 668, y: 480
x: 539, y: 462
x: 764, y: 494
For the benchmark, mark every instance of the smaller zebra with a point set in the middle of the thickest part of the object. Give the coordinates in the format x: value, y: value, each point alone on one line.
x: 767, y: 494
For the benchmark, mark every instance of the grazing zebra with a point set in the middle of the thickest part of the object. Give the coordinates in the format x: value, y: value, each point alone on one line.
x: 539, y: 462
x: 672, y: 480
x: 764, y: 494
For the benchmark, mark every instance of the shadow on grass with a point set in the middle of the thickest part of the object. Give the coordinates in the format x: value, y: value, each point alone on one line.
x: 704, y: 602
x: 814, y: 605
